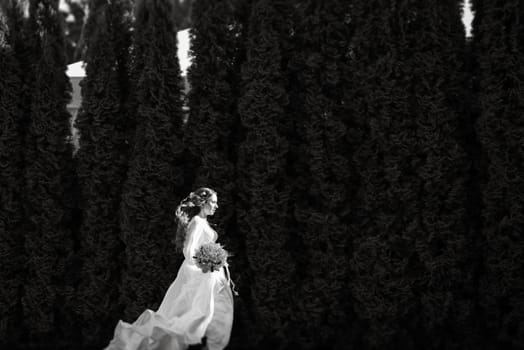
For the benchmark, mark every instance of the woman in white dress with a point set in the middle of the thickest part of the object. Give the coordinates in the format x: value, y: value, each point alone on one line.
x: 197, y: 304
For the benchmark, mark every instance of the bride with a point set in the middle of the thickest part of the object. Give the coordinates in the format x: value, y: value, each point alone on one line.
x: 197, y: 304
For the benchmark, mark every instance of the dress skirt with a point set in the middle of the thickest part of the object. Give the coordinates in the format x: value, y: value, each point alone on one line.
x: 196, y: 304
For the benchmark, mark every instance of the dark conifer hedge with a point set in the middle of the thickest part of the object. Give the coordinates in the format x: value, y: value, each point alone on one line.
x: 48, y: 179
x: 12, y: 220
x: 155, y: 176
x: 264, y: 188
x: 212, y: 130
x: 322, y: 191
x: 412, y: 273
x: 499, y: 60
x: 213, y: 76
x: 102, y: 166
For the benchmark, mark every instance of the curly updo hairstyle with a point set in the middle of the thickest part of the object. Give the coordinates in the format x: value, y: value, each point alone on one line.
x: 186, y: 210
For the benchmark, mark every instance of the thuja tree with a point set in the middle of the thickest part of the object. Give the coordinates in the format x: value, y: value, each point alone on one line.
x: 323, y: 176
x: 499, y: 52
x: 411, y: 270
x: 48, y: 177
x: 211, y: 132
x: 102, y: 166
x: 264, y: 189
x: 11, y: 181
x: 155, y: 175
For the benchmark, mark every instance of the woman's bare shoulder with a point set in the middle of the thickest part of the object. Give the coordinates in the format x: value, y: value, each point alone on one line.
x: 201, y: 222
x: 198, y: 218
x: 195, y: 221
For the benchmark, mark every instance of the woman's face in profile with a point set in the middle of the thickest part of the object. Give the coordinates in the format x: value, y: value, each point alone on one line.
x: 211, y: 205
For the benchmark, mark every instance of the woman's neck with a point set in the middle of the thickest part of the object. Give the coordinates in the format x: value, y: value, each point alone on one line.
x: 202, y: 215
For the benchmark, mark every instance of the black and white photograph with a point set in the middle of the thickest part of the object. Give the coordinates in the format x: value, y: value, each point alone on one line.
x: 262, y: 174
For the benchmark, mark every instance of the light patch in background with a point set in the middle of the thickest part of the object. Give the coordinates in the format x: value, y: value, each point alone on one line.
x: 467, y: 17
x: 63, y: 6
x: 77, y: 69
x: 183, y: 50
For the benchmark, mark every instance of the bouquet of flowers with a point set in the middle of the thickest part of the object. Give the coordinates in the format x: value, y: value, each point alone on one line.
x: 211, y: 257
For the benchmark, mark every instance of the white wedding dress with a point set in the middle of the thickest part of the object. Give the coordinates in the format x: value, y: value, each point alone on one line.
x: 195, y: 305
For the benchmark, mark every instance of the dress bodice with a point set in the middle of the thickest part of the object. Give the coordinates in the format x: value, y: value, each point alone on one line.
x: 198, y: 232
x: 211, y: 235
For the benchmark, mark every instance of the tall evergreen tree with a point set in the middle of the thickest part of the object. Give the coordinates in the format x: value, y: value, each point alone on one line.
x: 155, y: 177
x: 211, y: 132
x: 48, y: 178
x: 498, y: 47
x: 264, y: 190
x: 11, y: 180
x: 102, y: 166
x: 411, y: 268
x: 323, y: 176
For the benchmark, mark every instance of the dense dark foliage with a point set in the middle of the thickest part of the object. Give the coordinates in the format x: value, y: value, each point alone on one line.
x: 12, y: 255
x: 212, y: 130
x: 155, y: 175
x: 102, y: 166
x: 182, y: 12
x: 322, y: 173
x: 48, y: 179
x: 264, y: 188
x: 499, y: 55
x: 411, y: 270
